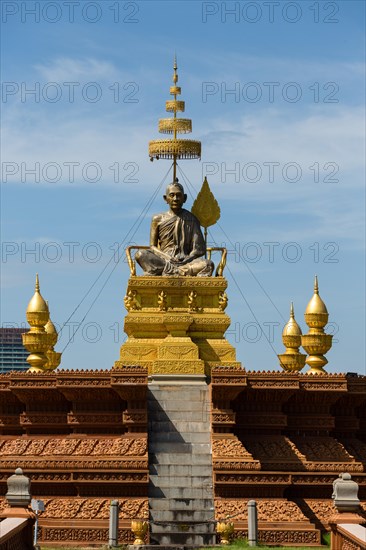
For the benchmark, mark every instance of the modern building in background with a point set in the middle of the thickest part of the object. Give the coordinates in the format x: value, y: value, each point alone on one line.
x: 12, y: 352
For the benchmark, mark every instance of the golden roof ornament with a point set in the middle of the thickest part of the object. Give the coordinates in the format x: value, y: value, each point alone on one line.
x: 316, y: 305
x: 316, y: 343
x: 206, y: 208
x: 292, y: 329
x: 37, y: 310
x: 42, y: 336
x: 51, y: 329
x: 175, y: 148
x: 36, y: 341
x: 292, y: 360
x: 53, y: 357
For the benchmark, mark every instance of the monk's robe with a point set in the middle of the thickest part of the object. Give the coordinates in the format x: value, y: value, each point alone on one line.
x: 179, y: 238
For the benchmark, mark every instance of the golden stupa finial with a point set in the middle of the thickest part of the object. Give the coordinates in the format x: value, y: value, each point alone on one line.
x: 174, y: 148
x: 316, y: 304
x: 316, y: 342
x: 36, y: 340
x: 292, y: 328
x: 292, y: 360
x: 37, y: 309
x: 42, y: 336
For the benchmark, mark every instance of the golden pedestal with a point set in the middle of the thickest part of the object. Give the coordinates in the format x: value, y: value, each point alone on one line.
x: 176, y: 325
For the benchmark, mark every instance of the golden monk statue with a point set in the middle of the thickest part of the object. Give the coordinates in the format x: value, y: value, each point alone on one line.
x: 177, y: 245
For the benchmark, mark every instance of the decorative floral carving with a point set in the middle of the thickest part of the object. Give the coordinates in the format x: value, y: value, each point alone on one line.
x: 93, y: 508
x: 106, y: 464
x: 64, y: 534
x: 72, y: 446
x: 273, y: 448
x: 172, y: 282
x: 95, y: 476
x: 281, y: 536
x: 322, y: 509
x: 224, y: 465
x: 132, y: 417
x: 13, y: 447
x: 229, y: 448
x: 322, y: 448
x: 41, y: 418
x: 85, y: 446
x: 223, y: 417
x: 348, y: 544
x: 92, y: 418
x: 273, y: 510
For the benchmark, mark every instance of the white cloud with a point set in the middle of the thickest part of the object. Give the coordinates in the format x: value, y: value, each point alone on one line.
x: 243, y: 67
x: 66, y: 69
x: 317, y: 136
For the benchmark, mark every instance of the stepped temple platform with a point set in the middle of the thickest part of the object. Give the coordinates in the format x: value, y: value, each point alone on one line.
x: 280, y: 438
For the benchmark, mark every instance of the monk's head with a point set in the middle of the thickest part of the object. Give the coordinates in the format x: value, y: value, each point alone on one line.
x: 175, y: 196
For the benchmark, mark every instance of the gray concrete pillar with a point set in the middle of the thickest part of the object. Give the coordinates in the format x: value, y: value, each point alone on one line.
x: 252, y: 523
x: 113, y: 524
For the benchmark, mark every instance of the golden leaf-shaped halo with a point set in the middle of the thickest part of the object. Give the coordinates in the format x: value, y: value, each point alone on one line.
x: 206, y: 207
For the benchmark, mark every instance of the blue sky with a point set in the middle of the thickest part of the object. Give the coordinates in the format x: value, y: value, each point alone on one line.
x: 275, y: 91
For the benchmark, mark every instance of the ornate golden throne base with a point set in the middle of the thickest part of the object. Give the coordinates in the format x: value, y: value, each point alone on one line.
x: 176, y: 325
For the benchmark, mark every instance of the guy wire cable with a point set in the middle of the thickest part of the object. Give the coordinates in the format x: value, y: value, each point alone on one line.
x: 137, y: 223
x: 190, y: 185
x: 229, y: 240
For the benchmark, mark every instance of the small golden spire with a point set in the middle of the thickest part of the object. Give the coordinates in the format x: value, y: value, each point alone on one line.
x: 37, y: 304
x: 174, y: 148
x: 36, y: 341
x: 292, y: 360
x: 316, y: 304
x: 316, y: 342
x: 292, y: 328
x: 42, y: 337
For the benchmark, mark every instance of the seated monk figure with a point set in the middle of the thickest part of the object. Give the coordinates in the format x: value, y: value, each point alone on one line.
x: 176, y: 241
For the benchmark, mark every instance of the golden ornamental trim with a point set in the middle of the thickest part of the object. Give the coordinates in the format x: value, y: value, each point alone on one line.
x: 174, y: 106
x: 181, y: 125
x: 178, y: 148
x: 175, y: 90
